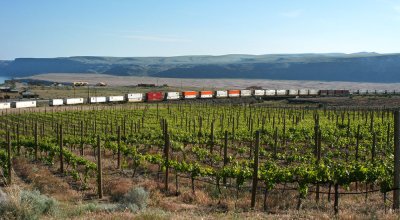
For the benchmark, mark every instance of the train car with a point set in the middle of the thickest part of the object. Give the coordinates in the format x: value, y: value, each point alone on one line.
x: 56, y: 102
x: 270, y: 92
x: 245, y: 93
x: 331, y: 92
x: 73, y: 101
x: 173, y: 96
x: 23, y: 104
x: 380, y: 92
x: 313, y: 92
x: 97, y: 99
x: 363, y: 91
x: 221, y: 94
x: 134, y: 97
x: 155, y: 96
x: 5, y: 105
x: 259, y: 92
x: 189, y: 94
x: 206, y: 94
x: 303, y: 92
x: 281, y: 92
x: 233, y: 93
x: 115, y: 98
x: 323, y: 92
x: 293, y: 92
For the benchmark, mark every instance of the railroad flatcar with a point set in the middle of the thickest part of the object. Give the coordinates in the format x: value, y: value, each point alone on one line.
x: 172, y: 96
x: 134, y: 97
x: 206, y: 94
x: 73, y: 101
x: 190, y: 94
x: 155, y: 96
x: 23, y: 104
x: 5, y: 105
x: 245, y: 93
x: 233, y: 93
x: 56, y: 102
x: 221, y: 94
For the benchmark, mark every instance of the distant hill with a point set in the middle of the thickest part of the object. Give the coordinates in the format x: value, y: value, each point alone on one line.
x: 359, y: 67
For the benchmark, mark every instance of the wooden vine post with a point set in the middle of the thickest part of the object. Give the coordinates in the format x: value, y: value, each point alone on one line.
x: 81, y: 142
x: 225, y: 155
x: 99, y: 170
x: 9, y: 179
x: 255, y: 170
x: 61, y: 149
x: 166, y: 155
x: 396, y: 179
x: 119, y: 148
x: 36, y: 141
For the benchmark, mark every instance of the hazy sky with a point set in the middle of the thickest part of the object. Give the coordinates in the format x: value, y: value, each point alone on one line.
x: 52, y: 28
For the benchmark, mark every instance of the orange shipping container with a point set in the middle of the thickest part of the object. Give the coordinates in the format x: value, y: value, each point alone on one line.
x: 231, y: 92
x: 206, y: 92
x: 189, y: 93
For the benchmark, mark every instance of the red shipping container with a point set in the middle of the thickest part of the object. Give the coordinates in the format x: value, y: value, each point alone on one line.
x: 155, y: 96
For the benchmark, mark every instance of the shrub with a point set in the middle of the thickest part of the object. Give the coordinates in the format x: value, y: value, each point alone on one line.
x: 135, y: 199
x: 27, y: 205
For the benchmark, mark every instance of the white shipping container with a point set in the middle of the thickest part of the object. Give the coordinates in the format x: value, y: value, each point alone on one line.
x: 313, y: 92
x: 259, y: 92
x: 362, y: 91
x: 134, y: 97
x: 270, y: 92
x: 221, y: 94
x: 97, y: 99
x: 5, y: 105
x: 115, y: 98
x: 380, y: 92
x: 303, y: 92
x: 173, y: 96
x: 281, y: 92
x: 23, y: 104
x: 293, y: 92
x: 73, y: 101
x: 245, y: 93
x: 55, y: 102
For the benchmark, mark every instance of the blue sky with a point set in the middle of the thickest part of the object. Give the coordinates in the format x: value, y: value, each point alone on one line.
x: 55, y: 28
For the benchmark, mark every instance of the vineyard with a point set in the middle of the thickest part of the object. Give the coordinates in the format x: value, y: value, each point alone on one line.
x: 238, y: 150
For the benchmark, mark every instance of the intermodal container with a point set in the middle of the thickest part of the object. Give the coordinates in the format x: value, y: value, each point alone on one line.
x: 5, y: 105
x: 323, y: 92
x: 134, y: 97
x: 97, y: 99
x: 245, y: 93
x: 270, y: 92
x: 293, y: 92
x: 23, y: 104
x: 115, y: 98
x: 331, y: 92
x: 233, y: 93
x: 73, y: 101
x: 206, y: 94
x: 259, y: 92
x: 56, y: 102
x: 312, y: 92
x: 221, y: 94
x: 155, y: 96
x: 281, y: 92
x: 303, y: 92
x: 189, y: 94
x: 173, y: 96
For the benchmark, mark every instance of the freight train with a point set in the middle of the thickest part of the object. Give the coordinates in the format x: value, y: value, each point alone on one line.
x: 190, y: 95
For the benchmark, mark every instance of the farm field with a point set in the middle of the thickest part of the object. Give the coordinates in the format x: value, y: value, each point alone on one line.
x: 205, y: 160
